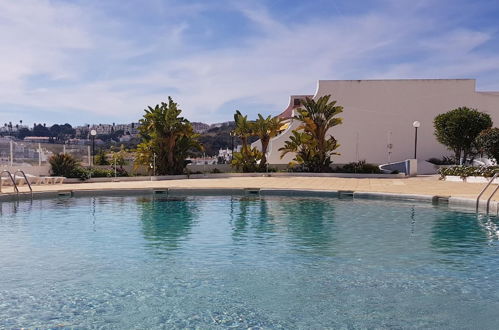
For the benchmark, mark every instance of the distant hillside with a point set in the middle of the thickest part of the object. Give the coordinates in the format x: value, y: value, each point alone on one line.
x: 218, y: 137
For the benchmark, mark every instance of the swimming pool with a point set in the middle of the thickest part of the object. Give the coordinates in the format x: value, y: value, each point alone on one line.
x: 272, y: 262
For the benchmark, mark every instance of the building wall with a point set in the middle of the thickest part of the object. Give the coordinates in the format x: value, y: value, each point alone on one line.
x: 376, y: 111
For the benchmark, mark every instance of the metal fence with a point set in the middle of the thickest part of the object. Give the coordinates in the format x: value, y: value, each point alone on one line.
x: 13, y: 153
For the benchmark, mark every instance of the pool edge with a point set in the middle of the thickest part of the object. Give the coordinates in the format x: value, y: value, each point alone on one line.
x: 451, y: 202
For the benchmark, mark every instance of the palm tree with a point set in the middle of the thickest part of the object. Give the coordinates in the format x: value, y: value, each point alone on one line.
x: 243, y: 128
x: 266, y: 129
x: 247, y: 159
x: 166, y: 135
x: 317, y: 118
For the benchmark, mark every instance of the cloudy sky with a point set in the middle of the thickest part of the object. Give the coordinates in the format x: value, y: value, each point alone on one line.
x: 92, y: 61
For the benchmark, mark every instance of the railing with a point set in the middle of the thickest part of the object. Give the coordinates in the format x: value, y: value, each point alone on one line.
x: 483, y: 191
x: 11, y: 179
x: 490, y: 198
x: 26, y: 179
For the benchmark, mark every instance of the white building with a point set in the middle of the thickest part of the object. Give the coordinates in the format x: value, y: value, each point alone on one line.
x: 225, y: 155
x: 378, y: 116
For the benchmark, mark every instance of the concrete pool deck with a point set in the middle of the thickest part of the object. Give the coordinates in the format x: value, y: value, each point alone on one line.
x: 422, y: 187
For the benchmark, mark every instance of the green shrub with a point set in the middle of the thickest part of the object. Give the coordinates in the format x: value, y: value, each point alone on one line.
x: 63, y: 165
x: 121, y: 172
x: 359, y: 167
x: 101, y: 158
x: 488, y: 142
x: 458, y: 129
x: 80, y: 173
x: 101, y: 173
x: 444, y: 161
x: 465, y: 171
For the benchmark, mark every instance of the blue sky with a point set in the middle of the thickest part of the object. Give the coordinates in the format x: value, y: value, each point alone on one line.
x: 92, y: 61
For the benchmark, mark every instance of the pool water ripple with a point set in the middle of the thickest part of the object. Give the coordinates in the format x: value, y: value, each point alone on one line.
x: 219, y: 262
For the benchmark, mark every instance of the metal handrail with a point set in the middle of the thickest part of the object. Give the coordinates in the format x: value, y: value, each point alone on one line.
x: 483, y: 190
x: 490, y: 198
x: 25, y: 178
x: 11, y: 178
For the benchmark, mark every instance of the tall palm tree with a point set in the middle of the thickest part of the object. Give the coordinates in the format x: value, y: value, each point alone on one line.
x: 317, y: 118
x: 243, y: 128
x: 266, y: 129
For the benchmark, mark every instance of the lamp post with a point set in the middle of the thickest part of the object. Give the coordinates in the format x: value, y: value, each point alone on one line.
x: 93, y: 133
x: 232, y: 135
x: 416, y: 125
x: 154, y: 164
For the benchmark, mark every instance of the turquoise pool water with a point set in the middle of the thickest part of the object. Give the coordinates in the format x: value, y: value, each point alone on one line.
x: 219, y: 262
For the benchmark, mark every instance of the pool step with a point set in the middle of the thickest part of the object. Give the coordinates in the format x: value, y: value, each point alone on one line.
x: 440, y: 200
x: 345, y: 193
x: 251, y: 191
x: 65, y: 193
x: 160, y: 191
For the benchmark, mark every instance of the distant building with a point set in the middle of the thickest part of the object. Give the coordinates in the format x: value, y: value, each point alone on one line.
x: 11, y: 128
x: 106, y: 129
x: 37, y: 139
x: 224, y: 156
x: 203, y: 160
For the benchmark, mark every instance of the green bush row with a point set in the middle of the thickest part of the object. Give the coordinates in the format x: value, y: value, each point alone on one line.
x: 65, y: 165
x: 358, y: 167
x: 465, y: 171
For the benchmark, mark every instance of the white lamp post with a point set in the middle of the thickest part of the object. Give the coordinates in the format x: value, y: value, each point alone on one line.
x: 416, y: 125
x: 93, y: 133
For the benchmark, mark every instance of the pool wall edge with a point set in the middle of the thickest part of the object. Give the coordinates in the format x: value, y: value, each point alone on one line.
x: 451, y: 202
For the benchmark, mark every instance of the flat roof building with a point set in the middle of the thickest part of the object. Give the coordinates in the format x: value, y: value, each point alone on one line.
x: 378, y: 116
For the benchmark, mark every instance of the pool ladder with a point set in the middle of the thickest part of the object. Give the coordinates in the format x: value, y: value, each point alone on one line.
x: 13, y: 180
x: 491, y: 195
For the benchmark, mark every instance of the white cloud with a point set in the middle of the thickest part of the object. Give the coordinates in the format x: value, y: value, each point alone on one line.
x: 97, y: 59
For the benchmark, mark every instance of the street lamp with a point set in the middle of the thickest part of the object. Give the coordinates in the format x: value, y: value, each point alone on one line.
x: 416, y: 125
x: 93, y: 133
x: 154, y: 164
x: 232, y: 135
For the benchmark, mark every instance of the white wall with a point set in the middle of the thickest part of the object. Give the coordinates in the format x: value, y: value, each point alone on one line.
x: 33, y: 170
x: 373, y: 108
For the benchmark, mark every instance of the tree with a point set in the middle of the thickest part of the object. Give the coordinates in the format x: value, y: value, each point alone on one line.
x: 458, y: 129
x: 101, y: 158
x: 266, y: 129
x: 41, y: 130
x: 167, y: 137
x: 63, y: 165
x: 243, y: 128
x: 312, y: 141
x: 23, y: 132
x: 247, y: 159
x: 55, y: 130
x: 302, y: 146
x: 488, y: 142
